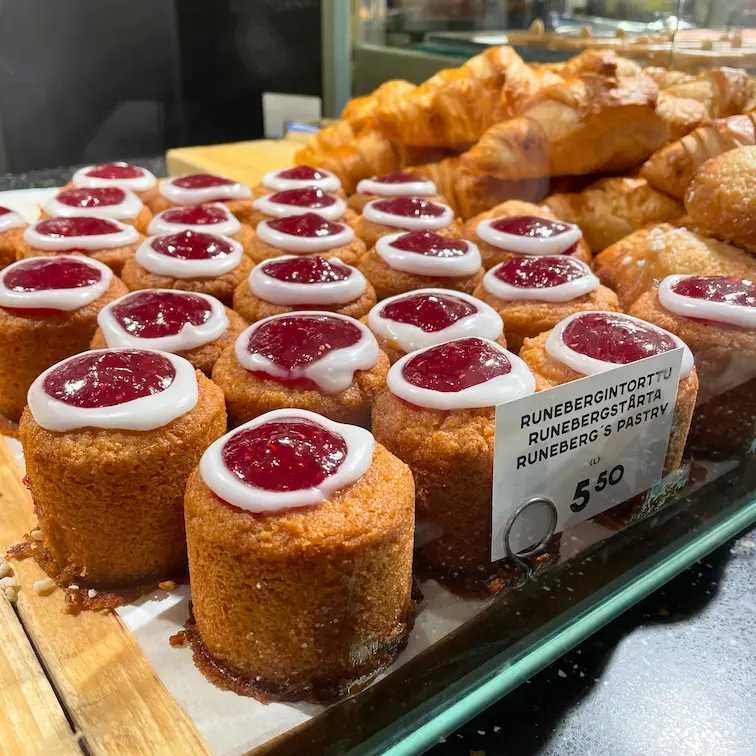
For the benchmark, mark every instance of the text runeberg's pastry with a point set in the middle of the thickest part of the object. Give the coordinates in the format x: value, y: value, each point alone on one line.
x: 586, y: 446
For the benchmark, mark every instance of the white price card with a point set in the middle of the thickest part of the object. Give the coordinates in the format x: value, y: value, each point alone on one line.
x: 585, y: 446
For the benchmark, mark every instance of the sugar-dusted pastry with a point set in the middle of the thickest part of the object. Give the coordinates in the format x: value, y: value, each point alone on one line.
x: 635, y: 264
x: 298, y: 177
x: 331, y: 207
x: 409, y: 260
x: 312, y: 360
x: 122, y: 175
x: 721, y: 198
x: 587, y: 343
x: 195, y: 326
x: 110, y: 438
x: 110, y: 202
x: 522, y: 228
x: 716, y: 317
x: 214, y: 218
x: 438, y: 416
x: 407, y: 322
x: 48, y: 311
x: 189, y: 260
x: 291, y: 282
x: 12, y: 227
x: 395, y: 184
x: 612, y: 208
x: 532, y: 294
x: 306, y: 235
x: 387, y: 216
x: 296, y: 521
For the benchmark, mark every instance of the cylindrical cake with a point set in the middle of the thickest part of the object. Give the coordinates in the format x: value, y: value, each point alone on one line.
x: 297, y: 522
x: 299, y: 177
x: 12, y: 227
x: 269, y: 207
x: 110, y: 438
x: 391, y: 185
x: 119, y: 174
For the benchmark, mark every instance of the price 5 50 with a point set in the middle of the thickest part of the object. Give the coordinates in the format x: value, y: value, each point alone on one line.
x: 582, y: 494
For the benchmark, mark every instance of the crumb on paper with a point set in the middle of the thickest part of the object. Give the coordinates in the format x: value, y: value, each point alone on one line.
x: 167, y: 585
x: 10, y: 593
x: 44, y: 586
x: 8, y: 582
x: 178, y: 639
x: 5, y: 569
x: 36, y: 534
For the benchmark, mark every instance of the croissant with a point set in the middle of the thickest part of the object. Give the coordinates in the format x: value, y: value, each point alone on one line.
x: 583, y: 125
x: 612, y: 208
x: 671, y: 168
x: 664, y: 77
x: 723, y: 91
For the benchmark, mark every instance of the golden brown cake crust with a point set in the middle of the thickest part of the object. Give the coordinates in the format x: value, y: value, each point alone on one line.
x: 370, y: 232
x: 248, y: 397
x: 28, y: 346
x: 140, y: 222
x: 109, y: 502
x: 221, y: 287
x: 202, y: 357
x: 115, y: 259
x: 341, y: 569
x: 9, y: 244
x: 349, y: 253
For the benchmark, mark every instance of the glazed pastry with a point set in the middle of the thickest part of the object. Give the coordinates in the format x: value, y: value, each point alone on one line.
x: 408, y: 322
x: 189, y: 260
x: 586, y: 343
x: 103, y: 239
x: 299, y: 177
x: 716, y: 317
x: 48, y: 311
x: 215, y: 218
x: 306, y: 235
x: 122, y: 175
x: 290, y: 283
x: 12, y: 227
x: 317, y: 361
x: 109, y: 440
x: 438, y: 416
x: 195, y: 326
x: 268, y: 207
x: 294, y: 520
x: 612, y: 208
x: 396, y: 184
x: 532, y: 294
x: 387, y: 216
x: 521, y: 228
x: 405, y: 261
x: 633, y: 265
x: 110, y: 202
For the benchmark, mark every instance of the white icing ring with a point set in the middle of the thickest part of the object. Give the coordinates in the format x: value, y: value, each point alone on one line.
x: 304, y: 245
x: 142, y: 183
x: 528, y: 245
x: 485, y: 323
x: 565, y: 292
x: 11, y: 220
x: 329, y: 183
x: 55, y: 299
x: 279, y: 292
x: 419, y: 188
x: 125, y: 236
x: 720, y: 312
x: 518, y: 382
x: 179, y: 195
x: 128, y: 209
x: 189, y: 337
x: 374, y: 215
x: 580, y: 363
x: 143, y: 414
x: 279, y: 210
x: 224, y: 484
x: 159, y: 226
x: 428, y: 265
x: 163, y: 265
x: 332, y: 373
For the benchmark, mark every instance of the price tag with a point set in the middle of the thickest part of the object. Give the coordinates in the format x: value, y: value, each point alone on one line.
x: 585, y: 446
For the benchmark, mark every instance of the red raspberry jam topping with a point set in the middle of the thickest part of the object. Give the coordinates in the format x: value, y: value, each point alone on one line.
x: 613, y: 338
x: 456, y: 365
x: 153, y: 314
x: 302, y: 173
x: 429, y: 312
x: 201, y: 181
x: 67, y: 227
x: 307, y: 270
x: 4, y: 210
x: 192, y: 245
x: 284, y: 455
x: 430, y: 244
x: 115, y: 171
x: 102, y: 197
x: 723, y: 289
x: 104, y: 379
x: 310, y: 225
x: 538, y: 272
x: 398, y: 177
x: 44, y: 274
x: 308, y: 197
x: 195, y: 215
x: 409, y: 207
x: 530, y: 225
